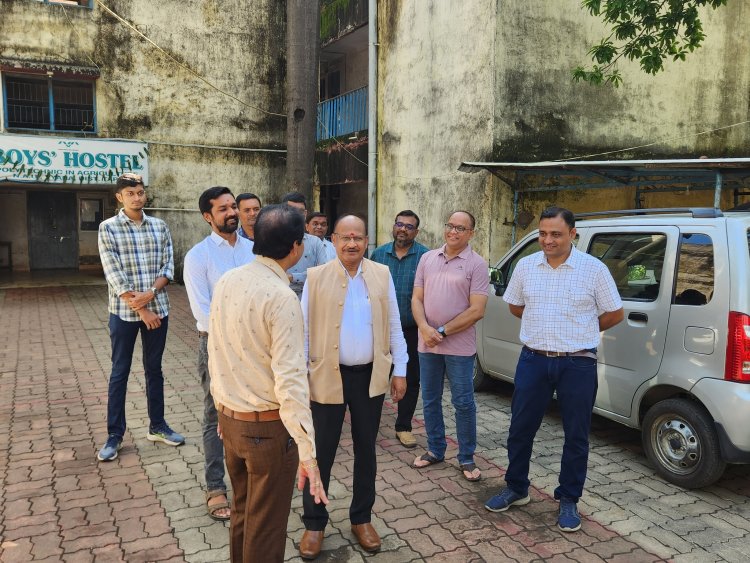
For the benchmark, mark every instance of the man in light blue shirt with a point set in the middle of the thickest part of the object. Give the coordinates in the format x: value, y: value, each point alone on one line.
x: 205, y: 263
x: 315, y: 253
x: 317, y: 225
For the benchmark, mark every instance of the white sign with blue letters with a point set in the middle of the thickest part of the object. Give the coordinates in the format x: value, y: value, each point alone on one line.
x: 55, y: 160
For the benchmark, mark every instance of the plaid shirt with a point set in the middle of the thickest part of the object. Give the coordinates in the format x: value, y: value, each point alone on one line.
x: 402, y: 272
x: 132, y: 258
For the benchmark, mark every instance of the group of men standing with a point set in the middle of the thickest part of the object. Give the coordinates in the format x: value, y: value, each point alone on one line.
x: 279, y: 368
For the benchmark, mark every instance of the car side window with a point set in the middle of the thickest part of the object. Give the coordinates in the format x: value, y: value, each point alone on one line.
x: 635, y: 260
x: 507, y: 269
x: 695, y: 270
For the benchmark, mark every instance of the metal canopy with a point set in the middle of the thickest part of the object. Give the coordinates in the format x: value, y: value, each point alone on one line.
x: 646, y: 176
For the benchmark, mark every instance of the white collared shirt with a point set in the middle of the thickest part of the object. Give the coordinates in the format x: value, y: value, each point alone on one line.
x: 205, y: 263
x: 562, y: 305
x: 356, y: 338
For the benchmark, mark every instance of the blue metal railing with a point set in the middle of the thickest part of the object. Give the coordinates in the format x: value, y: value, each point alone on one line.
x: 342, y: 115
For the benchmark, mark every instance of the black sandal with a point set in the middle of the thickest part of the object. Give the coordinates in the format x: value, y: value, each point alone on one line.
x: 428, y: 457
x: 469, y: 468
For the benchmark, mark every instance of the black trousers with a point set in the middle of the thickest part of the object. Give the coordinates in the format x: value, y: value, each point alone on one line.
x: 408, y: 404
x: 328, y: 420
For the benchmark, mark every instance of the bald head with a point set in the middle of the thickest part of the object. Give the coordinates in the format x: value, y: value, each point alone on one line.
x: 350, y: 222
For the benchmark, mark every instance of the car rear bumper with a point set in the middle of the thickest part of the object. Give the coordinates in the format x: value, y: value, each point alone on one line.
x: 729, y: 405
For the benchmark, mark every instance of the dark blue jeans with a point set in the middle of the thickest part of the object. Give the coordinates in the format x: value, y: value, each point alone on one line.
x: 123, y: 335
x: 213, y: 448
x: 537, y: 378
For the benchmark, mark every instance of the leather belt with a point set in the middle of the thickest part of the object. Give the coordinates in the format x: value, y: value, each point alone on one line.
x: 202, y: 333
x: 582, y: 353
x: 258, y: 416
x: 360, y: 367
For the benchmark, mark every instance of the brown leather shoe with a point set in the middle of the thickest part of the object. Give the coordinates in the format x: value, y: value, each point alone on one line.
x: 309, y: 547
x: 367, y: 537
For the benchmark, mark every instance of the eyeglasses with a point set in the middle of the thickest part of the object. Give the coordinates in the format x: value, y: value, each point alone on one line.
x: 458, y: 228
x: 407, y: 226
x: 347, y: 240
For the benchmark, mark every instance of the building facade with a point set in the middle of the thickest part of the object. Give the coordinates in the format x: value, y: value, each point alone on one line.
x: 484, y: 80
x: 188, y: 93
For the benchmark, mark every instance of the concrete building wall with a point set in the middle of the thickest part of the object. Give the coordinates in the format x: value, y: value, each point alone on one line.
x: 435, y: 109
x: 143, y: 93
x: 489, y: 80
x: 356, y: 70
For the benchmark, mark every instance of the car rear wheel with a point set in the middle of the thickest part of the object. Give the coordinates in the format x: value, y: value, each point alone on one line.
x: 680, y: 440
x: 482, y: 381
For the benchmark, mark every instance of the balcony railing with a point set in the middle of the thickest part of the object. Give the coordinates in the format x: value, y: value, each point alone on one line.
x: 342, y: 115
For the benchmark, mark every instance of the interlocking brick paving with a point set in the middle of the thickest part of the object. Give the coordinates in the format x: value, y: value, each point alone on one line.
x: 57, y: 503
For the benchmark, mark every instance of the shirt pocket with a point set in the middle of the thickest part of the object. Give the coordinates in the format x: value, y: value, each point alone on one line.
x: 580, y: 300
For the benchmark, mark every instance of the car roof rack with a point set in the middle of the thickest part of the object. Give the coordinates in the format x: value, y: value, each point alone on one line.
x: 696, y: 212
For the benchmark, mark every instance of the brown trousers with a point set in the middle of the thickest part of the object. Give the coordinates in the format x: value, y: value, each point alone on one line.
x: 262, y: 462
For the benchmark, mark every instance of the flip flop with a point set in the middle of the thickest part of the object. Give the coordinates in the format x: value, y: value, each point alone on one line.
x: 428, y: 457
x: 469, y: 468
x: 214, y: 508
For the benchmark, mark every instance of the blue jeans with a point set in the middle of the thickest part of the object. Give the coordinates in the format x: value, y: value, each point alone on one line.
x: 432, y: 371
x: 537, y: 378
x: 123, y: 335
x: 213, y: 448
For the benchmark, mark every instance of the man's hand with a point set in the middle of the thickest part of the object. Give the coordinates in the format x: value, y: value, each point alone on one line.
x: 430, y: 336
x: 218, y: 431
x: 140, y: 299
x: 308, y: 469
x: 149, y: 318
x: 398, y: 388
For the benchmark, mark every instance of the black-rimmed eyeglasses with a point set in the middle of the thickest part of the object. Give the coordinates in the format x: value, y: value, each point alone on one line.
x: 407, y: 226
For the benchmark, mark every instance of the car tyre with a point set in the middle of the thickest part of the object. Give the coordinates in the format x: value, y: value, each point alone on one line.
x: 482, y: 381
x: 680, y: 440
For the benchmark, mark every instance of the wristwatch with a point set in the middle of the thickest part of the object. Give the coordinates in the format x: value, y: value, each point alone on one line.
x: 441, y: 331
x: 154, y: 291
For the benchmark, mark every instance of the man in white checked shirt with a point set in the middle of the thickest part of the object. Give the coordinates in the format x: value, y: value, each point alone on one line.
x: 564, y: 299
x: 138, y: 263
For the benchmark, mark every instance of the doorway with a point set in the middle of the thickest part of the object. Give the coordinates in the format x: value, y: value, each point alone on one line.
x: 53, y: 232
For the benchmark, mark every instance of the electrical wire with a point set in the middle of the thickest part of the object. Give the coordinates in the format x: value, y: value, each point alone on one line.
x: 185, y: 66
x: 664, y: 140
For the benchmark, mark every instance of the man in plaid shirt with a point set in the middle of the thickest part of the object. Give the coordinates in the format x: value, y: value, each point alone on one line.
x: 136, y: 254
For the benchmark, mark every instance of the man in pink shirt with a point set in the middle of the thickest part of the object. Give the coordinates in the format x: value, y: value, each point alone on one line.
x: 450, y: 295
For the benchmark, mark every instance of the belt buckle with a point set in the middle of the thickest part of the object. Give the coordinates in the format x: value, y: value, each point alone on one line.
x: 555, y: 354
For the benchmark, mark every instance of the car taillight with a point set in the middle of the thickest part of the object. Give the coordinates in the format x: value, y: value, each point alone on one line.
x: 738, y: 348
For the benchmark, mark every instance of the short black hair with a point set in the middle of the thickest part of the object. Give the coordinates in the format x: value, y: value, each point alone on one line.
x: 407, y: 213
x: 315, y: 215
x: 294, y: 197
x: 471, y: 217
x: 247, y: 195
x: 277, y: 228
x: 128, y: 180
x: 204, y: 201
x: 554, y: 211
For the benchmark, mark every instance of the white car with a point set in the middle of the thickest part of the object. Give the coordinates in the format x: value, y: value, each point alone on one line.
x: 678, y: 366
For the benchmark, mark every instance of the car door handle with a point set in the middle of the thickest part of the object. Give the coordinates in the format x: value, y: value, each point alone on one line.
x: 638, y: 317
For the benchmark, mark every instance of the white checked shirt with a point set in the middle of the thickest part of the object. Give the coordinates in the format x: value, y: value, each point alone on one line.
x: 205, y: 263
x: 133, y: 257
x: 356, y: 339
x: 563, y: 304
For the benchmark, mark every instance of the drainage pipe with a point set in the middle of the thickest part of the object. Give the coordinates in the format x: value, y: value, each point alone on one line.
x: 372, y: 125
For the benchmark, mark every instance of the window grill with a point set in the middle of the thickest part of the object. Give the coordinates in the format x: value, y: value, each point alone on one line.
x: 46, y: 103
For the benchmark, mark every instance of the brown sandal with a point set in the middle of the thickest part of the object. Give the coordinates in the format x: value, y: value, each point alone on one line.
x: 214, y: 508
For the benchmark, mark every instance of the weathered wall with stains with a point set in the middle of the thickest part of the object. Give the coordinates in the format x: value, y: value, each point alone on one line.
x: 491, y: 80
x: 143, y: 94
x: 435, y: 109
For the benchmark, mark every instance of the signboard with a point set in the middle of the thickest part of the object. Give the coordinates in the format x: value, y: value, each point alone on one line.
x: 55, y: 160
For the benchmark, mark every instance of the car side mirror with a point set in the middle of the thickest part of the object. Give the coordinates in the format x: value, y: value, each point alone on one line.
x: 498, y: 281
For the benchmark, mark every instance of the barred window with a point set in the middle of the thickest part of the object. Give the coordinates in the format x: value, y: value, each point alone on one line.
x: 40, y: 102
